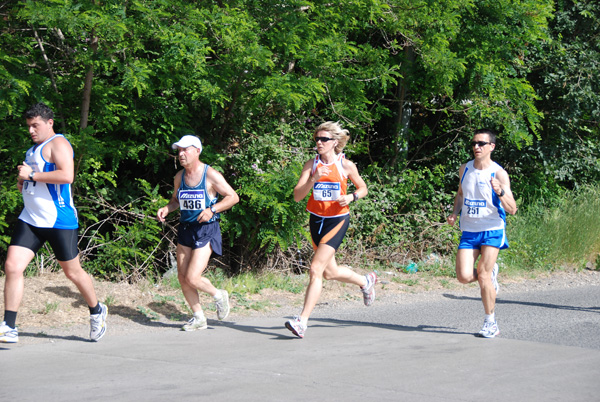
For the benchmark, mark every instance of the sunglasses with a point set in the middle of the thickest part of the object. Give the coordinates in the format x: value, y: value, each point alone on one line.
x: 323, y: 139
x: 480, y: 144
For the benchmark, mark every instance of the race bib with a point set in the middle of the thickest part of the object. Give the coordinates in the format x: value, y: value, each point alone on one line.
x: 191, y: 200
x: 475, y: 208
x: 29, y: 187
x: 326, y: 191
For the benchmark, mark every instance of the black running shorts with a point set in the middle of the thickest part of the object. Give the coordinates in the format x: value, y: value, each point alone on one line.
x: 330, y: 231
x: 62, y: 241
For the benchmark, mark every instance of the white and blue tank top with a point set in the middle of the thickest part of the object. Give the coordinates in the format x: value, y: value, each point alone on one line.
x: 47, y: 205
x: 481, y: 210
x: 193, y: 200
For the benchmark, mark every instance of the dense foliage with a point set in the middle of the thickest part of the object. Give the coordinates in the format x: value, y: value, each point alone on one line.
x: 252, y: 78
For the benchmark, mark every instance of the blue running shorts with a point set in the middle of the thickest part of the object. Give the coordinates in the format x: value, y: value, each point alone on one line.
x: 493, y: 238
x: 197, y: 235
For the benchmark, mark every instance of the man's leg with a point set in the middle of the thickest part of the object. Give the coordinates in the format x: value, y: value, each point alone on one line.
x: 17, y: 260
x: 190, y: 267
x: 75, y: 273
x: 485, y: 266
x: 465, y: 265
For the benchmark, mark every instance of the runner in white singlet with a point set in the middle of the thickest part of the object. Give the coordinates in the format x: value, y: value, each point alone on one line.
x: 483, y: 199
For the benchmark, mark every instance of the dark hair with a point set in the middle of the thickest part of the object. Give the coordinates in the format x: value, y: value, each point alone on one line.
x: 489, y: 132
x: 39, y: 109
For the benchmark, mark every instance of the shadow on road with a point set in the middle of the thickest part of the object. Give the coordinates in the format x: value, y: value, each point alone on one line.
x: 529, y: 304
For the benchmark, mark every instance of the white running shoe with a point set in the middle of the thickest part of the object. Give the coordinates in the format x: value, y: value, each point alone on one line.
x: 495, y: 278
x: 98, y: 323
x: 195, y: 323
x: 489, y: 330
x: 369, y: 289
x: 223, y: 305
x: 296, y: 326
x: 8, y: 334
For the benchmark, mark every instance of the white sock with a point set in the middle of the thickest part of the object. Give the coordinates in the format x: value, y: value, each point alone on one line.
x: 218, y: 296
x: 304, y: 321
x: 199, y: 315
x: 490, y: 317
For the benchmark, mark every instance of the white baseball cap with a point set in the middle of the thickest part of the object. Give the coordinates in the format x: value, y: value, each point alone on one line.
x: 188, y: 141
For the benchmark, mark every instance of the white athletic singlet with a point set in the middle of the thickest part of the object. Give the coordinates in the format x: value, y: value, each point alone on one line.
x: 47, y: 205
x: 481, y: 210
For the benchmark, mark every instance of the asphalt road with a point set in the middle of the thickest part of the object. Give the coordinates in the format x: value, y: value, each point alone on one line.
x: 404, y: 348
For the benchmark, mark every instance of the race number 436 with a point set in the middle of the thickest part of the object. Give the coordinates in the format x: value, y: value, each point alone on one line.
x: 191, y: 200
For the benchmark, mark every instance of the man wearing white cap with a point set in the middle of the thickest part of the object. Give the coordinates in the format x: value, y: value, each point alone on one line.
x: 197, y: 188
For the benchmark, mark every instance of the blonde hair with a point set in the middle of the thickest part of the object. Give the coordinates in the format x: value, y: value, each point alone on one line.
x: 337, y: 132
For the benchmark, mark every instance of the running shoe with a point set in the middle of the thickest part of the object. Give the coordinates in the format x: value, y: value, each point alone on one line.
x: 195, y: 323
x: 369, y: 289
x: 296, y: 327
x: 489, y: 330
x: 8, y: 334
x: 223, y: 305
x: 98, y: 323
x: 495, y: 278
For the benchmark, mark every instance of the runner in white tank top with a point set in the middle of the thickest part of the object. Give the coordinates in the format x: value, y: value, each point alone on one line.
x: 49, y: 216
x: 482, y: 200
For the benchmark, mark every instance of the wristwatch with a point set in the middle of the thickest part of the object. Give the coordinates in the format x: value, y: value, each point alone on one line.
x: 501, y: 193
x: 213, y: 209
x: 31, y: 175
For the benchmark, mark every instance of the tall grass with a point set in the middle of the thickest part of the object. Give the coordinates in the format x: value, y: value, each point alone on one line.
x: 549, y: 237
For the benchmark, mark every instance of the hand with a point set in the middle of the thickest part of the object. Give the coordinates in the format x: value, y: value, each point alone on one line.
x: 345, y: 200
x: 24, y: 171
x: 162, y: 214
x: 451, y: 219
x: 320, y: 172
x: 205, y: 215
x: 496, y: 185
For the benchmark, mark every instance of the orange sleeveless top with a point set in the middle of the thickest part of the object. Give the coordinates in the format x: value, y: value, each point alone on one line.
x: 328, y: 189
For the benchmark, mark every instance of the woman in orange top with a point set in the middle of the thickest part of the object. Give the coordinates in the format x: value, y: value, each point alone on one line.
x: 327, y: 176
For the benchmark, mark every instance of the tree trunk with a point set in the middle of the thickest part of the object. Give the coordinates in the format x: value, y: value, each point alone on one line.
x: 404, y: 110
x: 87, y: 87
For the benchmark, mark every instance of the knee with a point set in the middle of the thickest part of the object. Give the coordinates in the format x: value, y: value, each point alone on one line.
x: 73, y: 274
x: 484, y: 280
x: 463, y: 280
x: 315, y: 273
x: 12, y: 268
